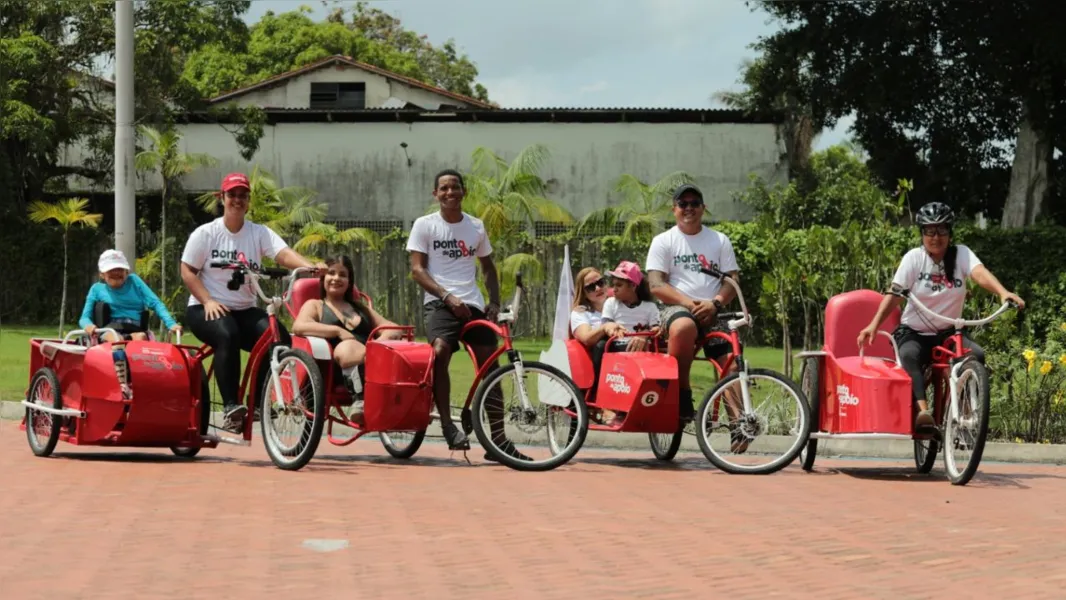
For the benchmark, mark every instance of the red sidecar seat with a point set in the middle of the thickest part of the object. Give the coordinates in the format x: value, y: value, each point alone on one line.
x: 581, y: 370
x: 847, y: 314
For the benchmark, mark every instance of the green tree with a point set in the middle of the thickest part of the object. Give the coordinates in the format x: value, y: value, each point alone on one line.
x: 643, y: 207
x: 939, y: 91
x: 165, y: 157
x: 68, y: 213
x: 770, y: 88
x: 279, y: 43
x: 49, y: 101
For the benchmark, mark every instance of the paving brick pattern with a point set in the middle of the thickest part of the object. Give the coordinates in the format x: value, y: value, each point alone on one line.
x: 357, y: 524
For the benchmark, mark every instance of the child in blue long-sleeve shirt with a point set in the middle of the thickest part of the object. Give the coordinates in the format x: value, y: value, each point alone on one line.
x: 127, y: 296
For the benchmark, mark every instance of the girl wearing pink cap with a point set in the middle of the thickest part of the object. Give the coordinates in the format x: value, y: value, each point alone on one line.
x: 632, y: 306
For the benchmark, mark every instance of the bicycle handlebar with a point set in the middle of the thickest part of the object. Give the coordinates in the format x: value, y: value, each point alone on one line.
x: 745, y: 318
x: 959, y: 323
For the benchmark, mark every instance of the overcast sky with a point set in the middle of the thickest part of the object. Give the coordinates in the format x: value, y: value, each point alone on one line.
x: 588, y: 53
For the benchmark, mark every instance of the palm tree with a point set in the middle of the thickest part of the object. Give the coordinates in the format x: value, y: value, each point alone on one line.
x: 320, y: 237
x: 68, y: 213
x: 165, y: 157
x: 643, y: 209
x: 509, y: 198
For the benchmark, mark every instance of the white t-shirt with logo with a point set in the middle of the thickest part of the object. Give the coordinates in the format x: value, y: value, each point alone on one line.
x: 212, y: 241
x: 641, y: 317
x: 452, y: 248
x: 927, y: 281
x: 584, y: 316
x: 680, y: 256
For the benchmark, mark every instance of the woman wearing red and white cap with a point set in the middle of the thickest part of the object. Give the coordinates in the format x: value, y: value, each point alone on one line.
x: 224, y: 319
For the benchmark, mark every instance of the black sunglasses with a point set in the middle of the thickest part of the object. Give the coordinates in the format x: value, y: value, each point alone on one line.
x: 683, y: 204
x: 591, y: 287
x: 940, y: 230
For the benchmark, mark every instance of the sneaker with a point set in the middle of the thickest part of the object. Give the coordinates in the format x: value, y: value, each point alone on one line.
x: 233, y: 418
x: 508, y: 449
x: 924, y: 419
x: 356, y: 414
x: 456, y: 439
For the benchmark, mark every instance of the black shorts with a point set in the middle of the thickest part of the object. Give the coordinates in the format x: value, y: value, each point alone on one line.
x: 713, y: 350
x: 442, y: 323
x: 125, y: 327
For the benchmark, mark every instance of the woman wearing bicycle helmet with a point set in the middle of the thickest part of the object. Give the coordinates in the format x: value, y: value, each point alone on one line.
x: 936, y: 274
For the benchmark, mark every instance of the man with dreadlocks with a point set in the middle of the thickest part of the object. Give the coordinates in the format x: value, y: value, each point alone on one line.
x: 936, y: 274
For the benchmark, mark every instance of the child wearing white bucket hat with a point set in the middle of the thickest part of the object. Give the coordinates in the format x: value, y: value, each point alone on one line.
x: 127, y: 296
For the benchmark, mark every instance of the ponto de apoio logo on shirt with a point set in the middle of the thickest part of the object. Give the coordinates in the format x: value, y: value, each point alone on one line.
x: 693, y: 262
x: 454, y: 248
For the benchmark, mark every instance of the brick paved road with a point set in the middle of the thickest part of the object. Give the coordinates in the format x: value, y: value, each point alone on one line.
x: 609, y: 525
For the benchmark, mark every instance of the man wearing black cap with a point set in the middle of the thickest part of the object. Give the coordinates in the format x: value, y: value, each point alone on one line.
x: 691, y: 299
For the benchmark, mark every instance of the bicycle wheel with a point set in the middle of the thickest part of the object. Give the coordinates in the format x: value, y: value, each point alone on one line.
x: 925, y: 450
x: 502, y: 423
x: 809, y: 383
x: 665, y: 445
x: 303, y: 404
x: 205, y: 416
x: 402, y: 444
x: 42, y: 429
x: 966, y: 424
x: 776, y: 429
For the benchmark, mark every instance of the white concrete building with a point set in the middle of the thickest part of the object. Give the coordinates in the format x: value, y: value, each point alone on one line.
x: 369, y: 141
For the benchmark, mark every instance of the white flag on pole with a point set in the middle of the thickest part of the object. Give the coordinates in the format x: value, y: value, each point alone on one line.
x: 562, y: 303
x: 556, y: 356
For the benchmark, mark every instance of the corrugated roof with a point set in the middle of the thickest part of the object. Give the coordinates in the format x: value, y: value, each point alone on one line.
x: 514, y: 115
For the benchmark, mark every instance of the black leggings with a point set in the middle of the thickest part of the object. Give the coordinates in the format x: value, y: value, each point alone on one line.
x: 235, y: 331
x: 916, y: 352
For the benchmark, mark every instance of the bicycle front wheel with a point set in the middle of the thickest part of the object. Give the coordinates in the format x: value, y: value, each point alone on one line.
x: 510, y: 429
x: 292, y: 427
x: 966, y: 424
x: 761, y: 441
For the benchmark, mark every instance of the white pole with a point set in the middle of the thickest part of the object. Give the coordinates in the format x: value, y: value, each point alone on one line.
x: 125, y: 169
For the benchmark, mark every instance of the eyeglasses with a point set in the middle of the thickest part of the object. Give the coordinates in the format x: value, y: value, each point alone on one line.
x: 683, y: 204
x: 940, y: 230
x: 599, y: 283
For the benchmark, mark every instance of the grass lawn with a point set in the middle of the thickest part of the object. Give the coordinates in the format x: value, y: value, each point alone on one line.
x: 15, y: 376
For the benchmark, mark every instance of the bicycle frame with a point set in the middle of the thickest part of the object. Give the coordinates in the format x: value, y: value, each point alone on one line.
x: 947, y: 362
x: 247, y: 391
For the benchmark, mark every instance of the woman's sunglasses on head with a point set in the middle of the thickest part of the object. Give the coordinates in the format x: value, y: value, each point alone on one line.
x: 599, y: 283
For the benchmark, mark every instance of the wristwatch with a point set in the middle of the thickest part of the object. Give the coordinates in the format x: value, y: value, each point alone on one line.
x: 717, y: 304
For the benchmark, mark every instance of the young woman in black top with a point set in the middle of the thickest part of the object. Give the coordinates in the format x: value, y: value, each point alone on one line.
x: 343, y: 320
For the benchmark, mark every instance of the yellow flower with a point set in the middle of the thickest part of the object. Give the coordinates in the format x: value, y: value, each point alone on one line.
x: 1062, y: 359
x: 1029, y: 355
x: 1063, y: 327
x: 1045, y: 367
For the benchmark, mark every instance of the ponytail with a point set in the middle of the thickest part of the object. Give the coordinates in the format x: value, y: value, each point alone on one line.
x: 950, y: 258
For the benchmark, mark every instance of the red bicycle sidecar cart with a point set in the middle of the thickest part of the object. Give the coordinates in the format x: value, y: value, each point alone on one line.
x: 857, y: 393
x: 398, y: 391
x: 397, y: 382
x: 75, y: 395
x: 644, y: 387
